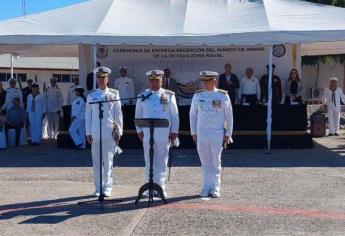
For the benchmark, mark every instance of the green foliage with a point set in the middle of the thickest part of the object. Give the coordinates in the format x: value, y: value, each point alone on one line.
x: 322, y: 59
x: 339, y: 3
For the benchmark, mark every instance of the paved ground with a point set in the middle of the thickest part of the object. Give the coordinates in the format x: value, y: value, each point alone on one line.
x: 288, y: 192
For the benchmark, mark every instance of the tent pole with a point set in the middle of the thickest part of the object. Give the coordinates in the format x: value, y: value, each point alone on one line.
x: 94, y: 61
x: 12, y: 65
x: 269, y: 102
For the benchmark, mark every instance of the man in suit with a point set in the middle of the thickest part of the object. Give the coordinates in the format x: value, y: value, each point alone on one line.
x: 229, y: 82
x: 168, y: 82
x: 276, y: 87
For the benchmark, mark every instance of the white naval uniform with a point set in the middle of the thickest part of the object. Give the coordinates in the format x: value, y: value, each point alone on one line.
x: 111, y: 113
x: 211, y: 119
x: 36, y: 107
x: 153, y: 107
x: 71, y: 94
x: 10, y: 94
x: 125, y: 86
x: 332, y: 100
x: 77, y: 128
x: 54, y: 102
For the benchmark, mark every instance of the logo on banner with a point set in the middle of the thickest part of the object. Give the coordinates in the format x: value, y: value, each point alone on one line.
x: 279, y: 50
x: 102, y: 52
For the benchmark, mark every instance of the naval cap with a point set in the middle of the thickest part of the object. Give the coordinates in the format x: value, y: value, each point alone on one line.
x: 102, y: 71
x: 154, y: 74
x: 208, y: 75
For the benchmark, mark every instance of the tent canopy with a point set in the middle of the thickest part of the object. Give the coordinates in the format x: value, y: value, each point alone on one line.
x: 185, y: 22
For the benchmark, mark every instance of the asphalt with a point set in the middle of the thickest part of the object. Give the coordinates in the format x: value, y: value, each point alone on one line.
x: 287, y: 192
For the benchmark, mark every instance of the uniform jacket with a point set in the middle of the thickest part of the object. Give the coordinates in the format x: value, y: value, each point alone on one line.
x: 211, y: 114
x: 111, y: 113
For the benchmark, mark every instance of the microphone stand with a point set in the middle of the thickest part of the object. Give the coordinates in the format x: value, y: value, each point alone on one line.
x: 101, y: 199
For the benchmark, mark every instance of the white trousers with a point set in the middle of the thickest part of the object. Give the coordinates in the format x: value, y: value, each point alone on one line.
x: 210, y: 152
x: 53, y: 124
x: 108, y: 152
x: 77, y: 131
x: 36, y: 122
x: 160, y: 161
x: 333, y: 120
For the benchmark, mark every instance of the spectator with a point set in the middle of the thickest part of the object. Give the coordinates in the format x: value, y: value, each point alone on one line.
x: 249, y: 88
x: 229, y: 82
x: 293, y: 88
x: 2, y: 95
x: 2, y: 131
x: 276, y: 87
x: 26, y: 91
x: 15, y: 118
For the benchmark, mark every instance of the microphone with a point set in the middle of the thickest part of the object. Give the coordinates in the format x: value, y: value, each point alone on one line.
x: 144, y: 97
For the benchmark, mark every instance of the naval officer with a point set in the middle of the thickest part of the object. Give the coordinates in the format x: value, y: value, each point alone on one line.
x: 160, y: 103
x: 112, y: 120
x: 211, y: 123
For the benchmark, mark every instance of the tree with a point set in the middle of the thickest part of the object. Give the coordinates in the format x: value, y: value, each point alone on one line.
x: 338, y: 3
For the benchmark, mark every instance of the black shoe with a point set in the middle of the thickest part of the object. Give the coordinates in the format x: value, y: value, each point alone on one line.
x: 336, y: 134
x: 330, y: 134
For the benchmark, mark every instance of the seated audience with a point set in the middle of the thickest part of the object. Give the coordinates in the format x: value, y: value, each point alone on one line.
x: 15, y: 118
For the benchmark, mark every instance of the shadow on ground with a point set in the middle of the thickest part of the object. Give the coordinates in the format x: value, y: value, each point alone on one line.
x: 48, y: 155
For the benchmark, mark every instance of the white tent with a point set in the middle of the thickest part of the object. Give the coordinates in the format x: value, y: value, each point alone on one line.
x: 186, y: 22
x: 181, y: 22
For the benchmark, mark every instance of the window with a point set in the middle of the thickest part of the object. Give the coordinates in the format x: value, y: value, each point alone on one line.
x: 3, y: 77
x: 63, y: 78
x: 22, y: 77
x: 6, y: 76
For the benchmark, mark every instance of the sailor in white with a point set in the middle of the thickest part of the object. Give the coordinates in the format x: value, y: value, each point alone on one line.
x: 125, y: 86
x: 71, y: 91
x: 12, y: 92
x: 332, y: 96
x: 211, y: 123
x: 77, y: 128
x: 54, y: 102
x: 36, y: 108
x: 112, y: 126
x: 160, y: 103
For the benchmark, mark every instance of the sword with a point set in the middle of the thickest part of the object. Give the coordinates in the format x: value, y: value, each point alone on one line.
x: 176, y: 143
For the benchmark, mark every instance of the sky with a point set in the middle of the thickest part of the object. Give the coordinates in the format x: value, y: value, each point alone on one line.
x: 13, y: 8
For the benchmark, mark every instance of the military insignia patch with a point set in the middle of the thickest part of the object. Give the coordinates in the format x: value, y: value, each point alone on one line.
x: 217, y: 104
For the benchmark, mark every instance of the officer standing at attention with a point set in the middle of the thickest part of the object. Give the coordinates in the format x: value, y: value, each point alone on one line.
x: 12, y: 92
x: 71, y: 91
x: 125, y: 86
x: 77, y: 128
x: 36, y: 108
x: 112, y: 120
x: 54, y: 102
x: 211, y: 123
x: 160, y: 103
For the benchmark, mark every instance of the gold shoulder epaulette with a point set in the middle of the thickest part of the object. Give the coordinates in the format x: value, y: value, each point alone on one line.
x: 199, y: 90
x: 222, y: 91
x: 114, y: 91
x: 169, y: 92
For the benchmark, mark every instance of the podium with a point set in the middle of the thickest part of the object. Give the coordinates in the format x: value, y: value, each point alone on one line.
x: 151, y: 123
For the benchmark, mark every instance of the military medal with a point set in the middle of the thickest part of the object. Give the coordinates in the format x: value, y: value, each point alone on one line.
x: 217, y: 104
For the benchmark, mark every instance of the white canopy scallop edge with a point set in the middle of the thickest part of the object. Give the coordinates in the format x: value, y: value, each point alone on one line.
x: 179, y: 22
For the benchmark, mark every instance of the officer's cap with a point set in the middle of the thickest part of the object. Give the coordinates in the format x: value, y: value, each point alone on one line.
x: 35, y: 85
x: 79, y: 88
x: 102, y: 71
x: 53, y: 79
x: 208, y: 75
x: 333, y: 79
x: 12, y: 80
x: 154, y: 74
x: 29, y: 81
x: 122, y: 67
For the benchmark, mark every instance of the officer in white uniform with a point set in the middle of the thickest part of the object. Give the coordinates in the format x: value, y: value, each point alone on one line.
x: 54, y: 102
x: 12, y: 92
x: 36, y: 108
x: 71, y: 91
x: 211, y: 123
x: 125, y: 86
x: 77, y: 128
x: 112, y: 121
x: 332, y: 96
x: 160, y: 103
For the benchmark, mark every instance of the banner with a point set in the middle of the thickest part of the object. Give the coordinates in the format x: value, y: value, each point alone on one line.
x: 186, y: 62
